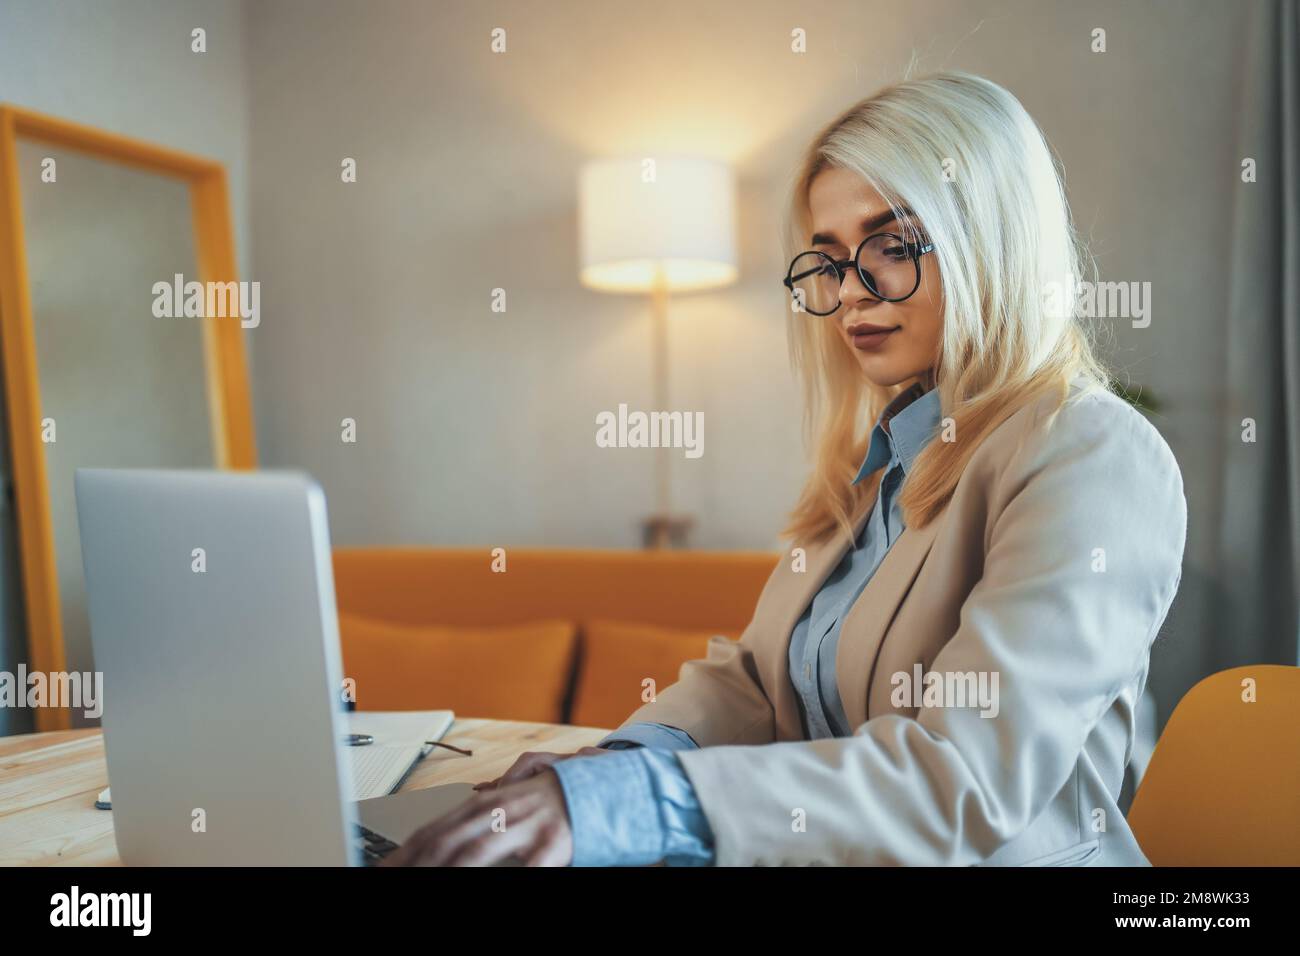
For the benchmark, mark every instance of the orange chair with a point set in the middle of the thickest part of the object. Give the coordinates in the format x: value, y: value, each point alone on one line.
x: 1223, y: 785
x: 445, y: 613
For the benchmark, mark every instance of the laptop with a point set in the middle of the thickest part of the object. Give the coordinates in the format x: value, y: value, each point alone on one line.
x: 211, y: 602
x: 394, y: 741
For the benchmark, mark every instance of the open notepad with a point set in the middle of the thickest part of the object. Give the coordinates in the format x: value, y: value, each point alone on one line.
x: 400, y: 740
x: 377, y: 769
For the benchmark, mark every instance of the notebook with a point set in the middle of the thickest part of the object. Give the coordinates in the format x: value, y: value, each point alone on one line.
x: 378, y: 768
x: 400, y: 741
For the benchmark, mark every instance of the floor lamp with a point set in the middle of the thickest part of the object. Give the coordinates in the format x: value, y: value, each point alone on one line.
x: 657, y: 226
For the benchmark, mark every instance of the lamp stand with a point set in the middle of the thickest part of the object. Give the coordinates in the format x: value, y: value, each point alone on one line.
x: 662, y: 529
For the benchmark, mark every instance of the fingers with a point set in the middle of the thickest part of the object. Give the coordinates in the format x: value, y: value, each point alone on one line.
x: 421, y: 846
x: 526, y: 766
x: 471, y: 838
x: 413, y: 846
x: 528, y: 820
x: 486, y: 846
x: 402, y: 856
x: 442, y: 828
x: 530, y: 764
x: 554, y: 847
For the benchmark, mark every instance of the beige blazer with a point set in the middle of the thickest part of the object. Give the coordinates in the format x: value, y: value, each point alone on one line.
x: 1052, y: 567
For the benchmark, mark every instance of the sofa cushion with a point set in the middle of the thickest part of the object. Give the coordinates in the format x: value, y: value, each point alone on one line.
x: 461, y: 587
x: 510, y: 672
x: 615, y: 659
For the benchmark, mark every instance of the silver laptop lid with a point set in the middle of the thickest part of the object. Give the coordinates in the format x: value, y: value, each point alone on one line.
x: 211, y: 599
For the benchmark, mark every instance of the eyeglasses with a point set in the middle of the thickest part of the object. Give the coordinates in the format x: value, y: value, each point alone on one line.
x: 888, y: 265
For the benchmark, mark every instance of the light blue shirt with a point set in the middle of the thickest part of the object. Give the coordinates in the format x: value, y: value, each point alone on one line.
x: 638, y: 807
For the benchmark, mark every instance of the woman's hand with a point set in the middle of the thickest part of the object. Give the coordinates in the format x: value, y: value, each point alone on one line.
x: 530, y: 764
x: 528, y: 820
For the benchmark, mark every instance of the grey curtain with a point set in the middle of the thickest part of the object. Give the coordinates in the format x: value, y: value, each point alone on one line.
x: 1257, y: 618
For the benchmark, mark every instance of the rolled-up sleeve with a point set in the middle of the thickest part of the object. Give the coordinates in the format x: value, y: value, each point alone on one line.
x: 633, y: 808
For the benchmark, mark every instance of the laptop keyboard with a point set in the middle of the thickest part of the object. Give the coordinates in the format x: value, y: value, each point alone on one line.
x: 373, y: 847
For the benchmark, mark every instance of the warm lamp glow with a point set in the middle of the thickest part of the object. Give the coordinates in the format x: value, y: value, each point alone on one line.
x: 675, y: 220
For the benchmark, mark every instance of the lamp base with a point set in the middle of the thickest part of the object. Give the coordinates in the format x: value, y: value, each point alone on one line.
x: 663, y: 531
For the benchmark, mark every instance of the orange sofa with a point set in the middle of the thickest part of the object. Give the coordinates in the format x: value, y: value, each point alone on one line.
x: 566, y: 636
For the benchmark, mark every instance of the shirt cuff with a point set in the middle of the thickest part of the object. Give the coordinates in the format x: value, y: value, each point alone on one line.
x: 633, y: 809
x: 659, y: 736
x: 612, y: 812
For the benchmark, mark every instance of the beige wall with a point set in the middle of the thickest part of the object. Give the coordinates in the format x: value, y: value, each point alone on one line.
x: 478, y: 428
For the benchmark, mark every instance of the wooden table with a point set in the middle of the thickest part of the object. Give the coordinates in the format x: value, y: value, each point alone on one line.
x: 48, y: 783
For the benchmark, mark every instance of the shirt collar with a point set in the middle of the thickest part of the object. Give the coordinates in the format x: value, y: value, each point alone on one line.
x: 913, y: 418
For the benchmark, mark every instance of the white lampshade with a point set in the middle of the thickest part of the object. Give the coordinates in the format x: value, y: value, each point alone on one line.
x: 680, y: 223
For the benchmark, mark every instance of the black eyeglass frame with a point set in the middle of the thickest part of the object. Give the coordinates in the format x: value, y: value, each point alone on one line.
x: 914, y: 252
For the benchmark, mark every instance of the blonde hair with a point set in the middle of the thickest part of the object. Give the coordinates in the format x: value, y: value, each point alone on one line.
x: 1002, y: 235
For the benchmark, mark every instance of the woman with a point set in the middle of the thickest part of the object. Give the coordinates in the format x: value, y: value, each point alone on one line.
x: 944, y: 669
